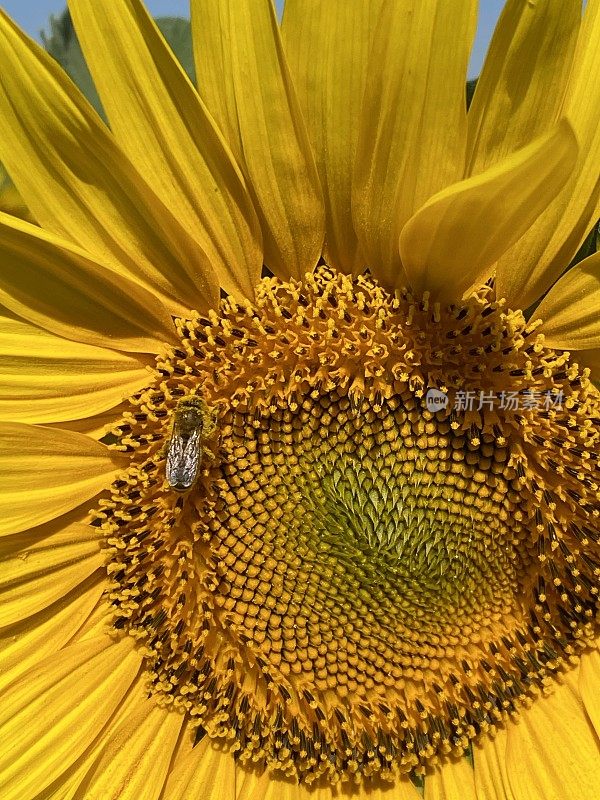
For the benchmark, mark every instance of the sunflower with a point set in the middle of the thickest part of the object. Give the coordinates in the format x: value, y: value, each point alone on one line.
x: 300, y: 451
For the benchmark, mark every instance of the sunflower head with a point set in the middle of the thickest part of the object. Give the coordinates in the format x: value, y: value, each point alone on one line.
x: 302, y: 488
x: 356, y: 585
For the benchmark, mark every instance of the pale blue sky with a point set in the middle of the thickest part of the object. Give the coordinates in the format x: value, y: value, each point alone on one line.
x: 32, y: 15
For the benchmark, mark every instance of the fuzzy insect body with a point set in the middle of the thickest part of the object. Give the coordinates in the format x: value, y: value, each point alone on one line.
x: 193, y: 422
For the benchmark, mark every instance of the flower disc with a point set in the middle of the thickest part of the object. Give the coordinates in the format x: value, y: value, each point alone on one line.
x: 358, y: 581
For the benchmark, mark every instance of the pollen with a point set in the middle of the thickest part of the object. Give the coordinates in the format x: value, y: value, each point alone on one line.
x: 358, y: 582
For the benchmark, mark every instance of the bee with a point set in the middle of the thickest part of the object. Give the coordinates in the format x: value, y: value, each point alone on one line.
x: 193, y: 422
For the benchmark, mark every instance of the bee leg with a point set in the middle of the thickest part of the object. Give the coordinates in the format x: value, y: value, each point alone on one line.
x: 208, y: 454
x: 162, y: 453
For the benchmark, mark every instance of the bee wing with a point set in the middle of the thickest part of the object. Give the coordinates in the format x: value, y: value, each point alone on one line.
x: 183, y: 459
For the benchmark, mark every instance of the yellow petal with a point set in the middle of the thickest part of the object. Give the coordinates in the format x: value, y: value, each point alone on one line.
x: 452, y: 780
x: 204, y: 772
x: 552, y: 751
x: 402, y: 789
x: 246, y: 781
x: 134, y: 763
x: 589, y: 682
x: 45, y: 378
x: 571, y: 309
x: 99, y: 621
x: 160, y: 123
x: 268, y: 787
x: 591, y: 359
x: 97, y: 426
x: 11, y: 202
x: 53, y: 713
x: 56, y: 285
x: 31, y: 641
x: 236, y: 42
x: 38, y: 569
x: 69, y: 785
x: 80, y: 185
x: 272, y: 788
x: 330, y: 90
x: 526, y: 272
x: 452, y: 242
x: 413, y: 123
x: 489, y: 764
x: 45, y: 473
x: 521, y: 87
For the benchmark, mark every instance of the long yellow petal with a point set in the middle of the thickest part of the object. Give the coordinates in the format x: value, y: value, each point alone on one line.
x: 522, y: 84
x: 489, y: 766
x: 552, y: 751
x: 591, y: 359
x: 589, y: 680
x: 246, y: 781
x: 54, y: 712
x: 46, y: 472
x: 571, y: 309
x: 527, y: 270
x: 97, y: 426
x: 452, y: 242
x: 99, y: 622
x: 272, y: 788
x: 330, y: 90
x: 161, y: 124
x: 204, y: 772
x: 26, y: 643
x: 81, y: 186
x: 39, y: 570
x: 236, y: 42
x: 269, y: 787
x: 452, y: 780
x: 45, y: 378
x: 55, y: 284
x: 70, y: 785
x: 11, y: 201
x: 413, y: 122
x: 135, y: 762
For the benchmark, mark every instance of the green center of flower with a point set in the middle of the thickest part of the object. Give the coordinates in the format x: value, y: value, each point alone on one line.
x: 356, y: 581
x: 377, y: 519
